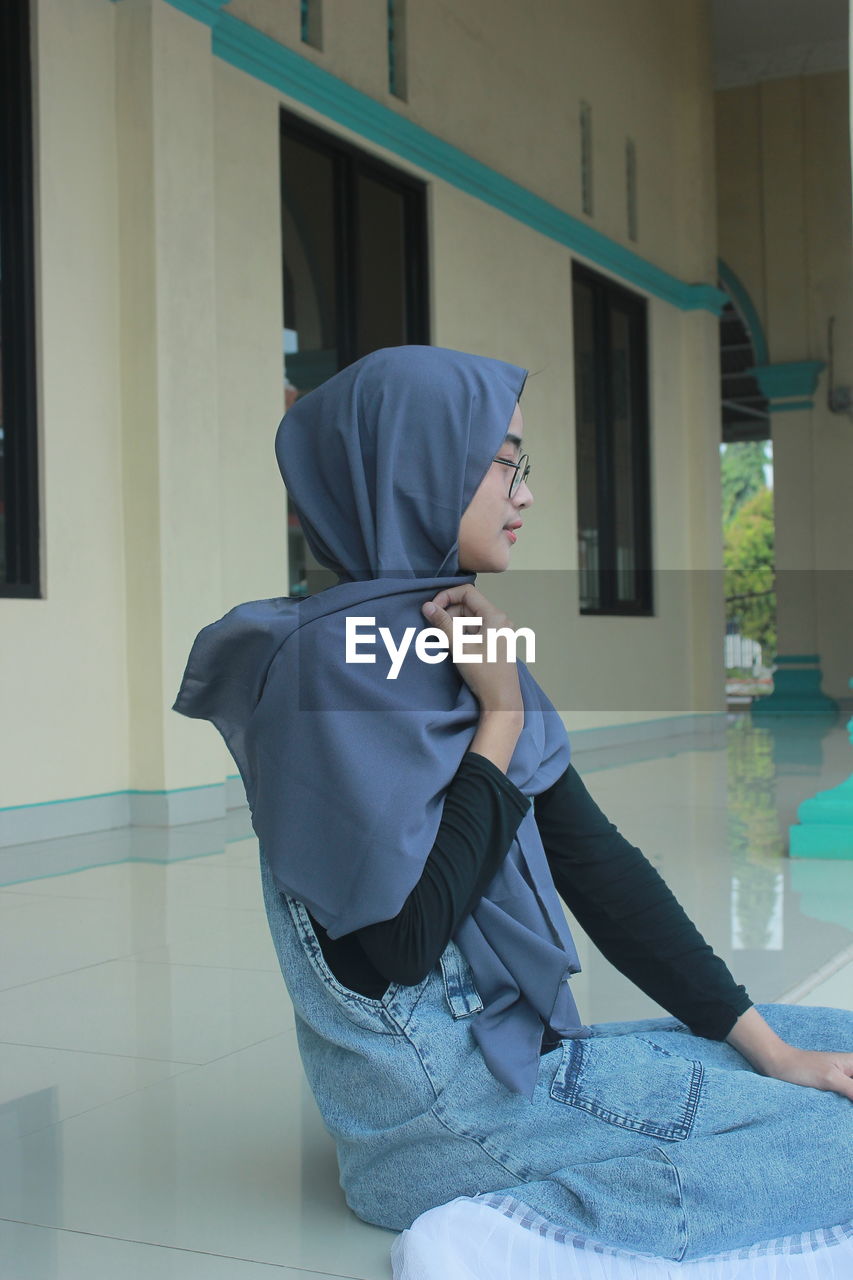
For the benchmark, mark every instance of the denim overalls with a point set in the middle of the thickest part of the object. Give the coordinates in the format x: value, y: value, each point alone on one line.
x: 643, y: 1136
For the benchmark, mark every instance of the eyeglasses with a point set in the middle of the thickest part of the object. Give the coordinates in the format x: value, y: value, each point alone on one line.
x: 522, y: 471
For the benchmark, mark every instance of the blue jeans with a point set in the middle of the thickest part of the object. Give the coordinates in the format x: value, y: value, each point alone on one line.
x: 643, y: 1136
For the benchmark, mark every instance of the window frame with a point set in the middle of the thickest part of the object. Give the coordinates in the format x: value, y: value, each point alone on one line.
x: 607, y: 294
x: 18, y: 303
x: 350, y: 162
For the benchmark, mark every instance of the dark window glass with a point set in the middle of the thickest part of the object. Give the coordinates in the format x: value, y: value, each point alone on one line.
x: 381, y: 261
x: 354, y: 274
x: 586, y: 442
x: 19, y: 569
x: 612, y: 451
x: 310, y: 248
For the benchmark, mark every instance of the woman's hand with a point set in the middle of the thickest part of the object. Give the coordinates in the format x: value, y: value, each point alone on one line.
x: 773, y: 1056
x: 819, y: 1068
x: 494, y: 684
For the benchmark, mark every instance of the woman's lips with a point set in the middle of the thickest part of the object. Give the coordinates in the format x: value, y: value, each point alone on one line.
x: 511, y: 534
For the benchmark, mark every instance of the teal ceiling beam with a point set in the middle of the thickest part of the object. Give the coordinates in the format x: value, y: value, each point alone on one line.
x: 788, y: 378
x: 788, y: 385
x: 205, y: 10
x: 240, y: 45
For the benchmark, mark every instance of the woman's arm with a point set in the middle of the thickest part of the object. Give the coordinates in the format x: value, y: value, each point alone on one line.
x: 482, y: 812
x: 630, y: 913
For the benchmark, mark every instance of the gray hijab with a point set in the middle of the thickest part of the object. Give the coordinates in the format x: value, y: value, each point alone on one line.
x: 345, y: 770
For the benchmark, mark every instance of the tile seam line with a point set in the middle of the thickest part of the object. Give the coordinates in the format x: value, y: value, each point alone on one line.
x: 65, y: 973
x: 122, y: 1097
x: 177, y: 1248
x: 77, y: 1115
x: 132, y: 957
x: 101, y: 1053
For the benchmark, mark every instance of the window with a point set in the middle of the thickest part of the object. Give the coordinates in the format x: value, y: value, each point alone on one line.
x: 612, y: 447
x: 19, y: 517
x: 355, y: 273
x: 631, y: 186
x: 586, y: 157
x: 311, y: 23
x: 396, y: 20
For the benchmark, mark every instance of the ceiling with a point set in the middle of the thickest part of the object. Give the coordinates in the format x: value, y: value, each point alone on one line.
x: 768, y: 39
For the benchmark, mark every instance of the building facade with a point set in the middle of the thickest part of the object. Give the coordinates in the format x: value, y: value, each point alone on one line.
x: 232, y: 200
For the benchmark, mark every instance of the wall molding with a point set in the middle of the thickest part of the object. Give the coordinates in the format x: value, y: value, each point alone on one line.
x: 263, y: 58
x: 185, y: 807
x: 790, y: 406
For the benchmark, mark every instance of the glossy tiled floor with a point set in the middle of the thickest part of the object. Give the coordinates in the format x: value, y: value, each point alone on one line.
x: 154, y: 1123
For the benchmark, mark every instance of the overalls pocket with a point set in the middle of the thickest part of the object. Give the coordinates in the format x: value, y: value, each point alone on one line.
x: 628, y: 1081
x: 463, y: 998
x: 384, y: 1015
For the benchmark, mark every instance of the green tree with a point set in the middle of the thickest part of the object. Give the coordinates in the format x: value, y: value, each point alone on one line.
x: 748, y: 560
x: 742, y: 467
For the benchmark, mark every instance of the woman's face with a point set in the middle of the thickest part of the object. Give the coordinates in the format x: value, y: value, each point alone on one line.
x: 485, y: 542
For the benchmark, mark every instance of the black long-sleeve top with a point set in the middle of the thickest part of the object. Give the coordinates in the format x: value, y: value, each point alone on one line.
x: 609, y: 885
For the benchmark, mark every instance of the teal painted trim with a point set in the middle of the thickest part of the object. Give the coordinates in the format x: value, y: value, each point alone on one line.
x: 825, y: 827
x: 577, y: 737
x: 790, y: 707
x: 823, y: 841
x: 788, y: 378
x: 206, y: 11
x: 240, y: 45
x: 834, y: 806
x: 289, y: 72
x: 103, y: 795
x: 796, y: 690
x: 788, y: 406
x: 739, y: 295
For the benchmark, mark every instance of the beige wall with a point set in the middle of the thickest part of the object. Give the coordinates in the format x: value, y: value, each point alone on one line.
x: 158, y: 167
x: 783, y: 177
x: 502, y: 290
x: 503, y: 82
x: 64, y: 670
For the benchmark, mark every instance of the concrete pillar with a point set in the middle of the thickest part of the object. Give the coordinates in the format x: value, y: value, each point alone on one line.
x: 164, y: 90
x: 784, y: 211
x: 797, y: 679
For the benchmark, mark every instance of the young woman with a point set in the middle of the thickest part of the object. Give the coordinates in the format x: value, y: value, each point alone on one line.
x: 419, y: 820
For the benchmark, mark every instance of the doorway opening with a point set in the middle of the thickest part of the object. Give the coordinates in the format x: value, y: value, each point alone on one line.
x: 746, y: 463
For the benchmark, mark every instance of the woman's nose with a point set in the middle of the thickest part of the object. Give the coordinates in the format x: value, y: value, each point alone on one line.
x: 523, y: 497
